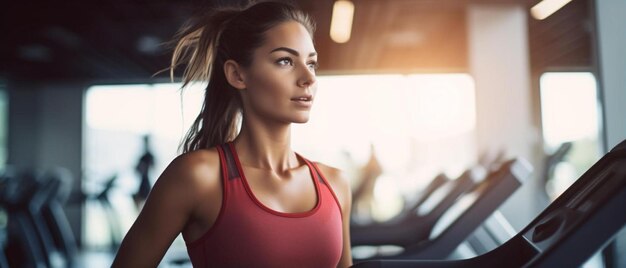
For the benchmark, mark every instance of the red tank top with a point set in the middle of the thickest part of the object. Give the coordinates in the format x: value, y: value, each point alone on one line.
x: 246, y: 233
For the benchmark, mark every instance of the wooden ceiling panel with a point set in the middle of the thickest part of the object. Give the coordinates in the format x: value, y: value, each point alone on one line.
x: 563, y: 41
x: 398, y: 37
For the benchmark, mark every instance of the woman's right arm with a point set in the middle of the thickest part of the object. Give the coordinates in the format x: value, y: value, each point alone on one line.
x: 168, y: 208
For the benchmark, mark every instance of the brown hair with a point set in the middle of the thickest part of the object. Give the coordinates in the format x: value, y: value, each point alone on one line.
x: 205, y: 43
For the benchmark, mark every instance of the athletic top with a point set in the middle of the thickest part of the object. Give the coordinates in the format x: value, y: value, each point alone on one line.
x: 247, y: 233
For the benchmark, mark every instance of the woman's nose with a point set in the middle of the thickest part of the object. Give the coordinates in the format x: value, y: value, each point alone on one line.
x: 307, y: 77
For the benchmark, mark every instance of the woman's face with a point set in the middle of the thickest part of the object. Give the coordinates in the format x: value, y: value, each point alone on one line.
x: 280, y: 82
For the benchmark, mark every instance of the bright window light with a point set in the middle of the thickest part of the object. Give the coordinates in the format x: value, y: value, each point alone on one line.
x: 125, y: 108
x: 388, y: 109
x: 569, y: 113
x: 568, y: 107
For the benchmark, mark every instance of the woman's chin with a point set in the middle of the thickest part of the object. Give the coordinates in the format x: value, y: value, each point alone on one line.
x: 300, y: 120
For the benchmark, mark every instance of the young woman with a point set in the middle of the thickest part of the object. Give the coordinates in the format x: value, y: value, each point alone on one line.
x: 239, y: 194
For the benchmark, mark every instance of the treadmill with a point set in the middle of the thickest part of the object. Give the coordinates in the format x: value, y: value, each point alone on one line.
x: 468, y: 212
x: 437, y: 182
x: 494, y: 232
x: 412, y: 207
x: 425, y: 194
x: 584, y: 219
x: 415, y: 225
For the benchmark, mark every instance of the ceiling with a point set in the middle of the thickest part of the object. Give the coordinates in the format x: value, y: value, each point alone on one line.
x: 119, y: 40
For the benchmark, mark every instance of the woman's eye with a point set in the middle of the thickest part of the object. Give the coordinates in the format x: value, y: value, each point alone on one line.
x: 285, y: 62
x: 313, y: 65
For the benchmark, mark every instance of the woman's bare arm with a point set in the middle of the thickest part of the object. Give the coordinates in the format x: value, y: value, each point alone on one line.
x: 167, y: 210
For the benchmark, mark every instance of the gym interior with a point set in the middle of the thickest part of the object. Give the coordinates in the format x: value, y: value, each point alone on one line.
x: 475, y: 133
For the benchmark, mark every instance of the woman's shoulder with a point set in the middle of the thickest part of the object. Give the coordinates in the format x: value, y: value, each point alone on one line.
x: 197, y: 159
x: 196, y: 168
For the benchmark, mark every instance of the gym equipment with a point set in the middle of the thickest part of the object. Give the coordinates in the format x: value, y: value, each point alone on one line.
x: 24, y: 248
x: 469, y: 212
x: 495, y: 231
x: 415, y: 225
x: 57, y: 184
x: 430, y: 189
x: 581, y: 221
x: 3, y: 225
x: 411, y: 208
x: 38, y: 230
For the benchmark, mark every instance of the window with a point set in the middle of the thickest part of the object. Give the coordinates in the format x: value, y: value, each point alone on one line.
x: 118, y: 117
x: 569, y: 113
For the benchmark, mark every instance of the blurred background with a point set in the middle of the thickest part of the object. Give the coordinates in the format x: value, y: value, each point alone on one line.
x: 408, y: 89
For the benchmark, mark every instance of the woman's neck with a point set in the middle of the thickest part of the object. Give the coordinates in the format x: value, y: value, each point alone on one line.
x: 265, y: 146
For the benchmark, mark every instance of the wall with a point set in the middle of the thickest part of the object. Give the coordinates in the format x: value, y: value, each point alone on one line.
x: 499, y: 63
x: 45, y: 131
x: 611, y: 64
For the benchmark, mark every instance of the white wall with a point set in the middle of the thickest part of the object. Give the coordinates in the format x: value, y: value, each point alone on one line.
x: 499, y: 62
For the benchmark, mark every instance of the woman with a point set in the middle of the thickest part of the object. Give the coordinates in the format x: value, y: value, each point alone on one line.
x: 244, y: 198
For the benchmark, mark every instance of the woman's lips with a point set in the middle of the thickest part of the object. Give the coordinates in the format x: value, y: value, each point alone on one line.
x: 303, y: 98
x: 303, y: 102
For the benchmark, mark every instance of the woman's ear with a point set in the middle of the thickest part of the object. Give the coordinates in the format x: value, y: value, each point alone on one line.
x: 234, y: 74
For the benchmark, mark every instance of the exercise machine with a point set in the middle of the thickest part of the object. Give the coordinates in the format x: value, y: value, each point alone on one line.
x: 581, y: 221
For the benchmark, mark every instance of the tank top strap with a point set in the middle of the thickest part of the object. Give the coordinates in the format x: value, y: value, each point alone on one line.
x: 229, y: 166
x: 316, y: 171
x: 322, y: 180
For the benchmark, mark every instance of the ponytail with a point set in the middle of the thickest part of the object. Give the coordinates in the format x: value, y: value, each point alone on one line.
x: 204, y: 44
x: 196, y: 46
